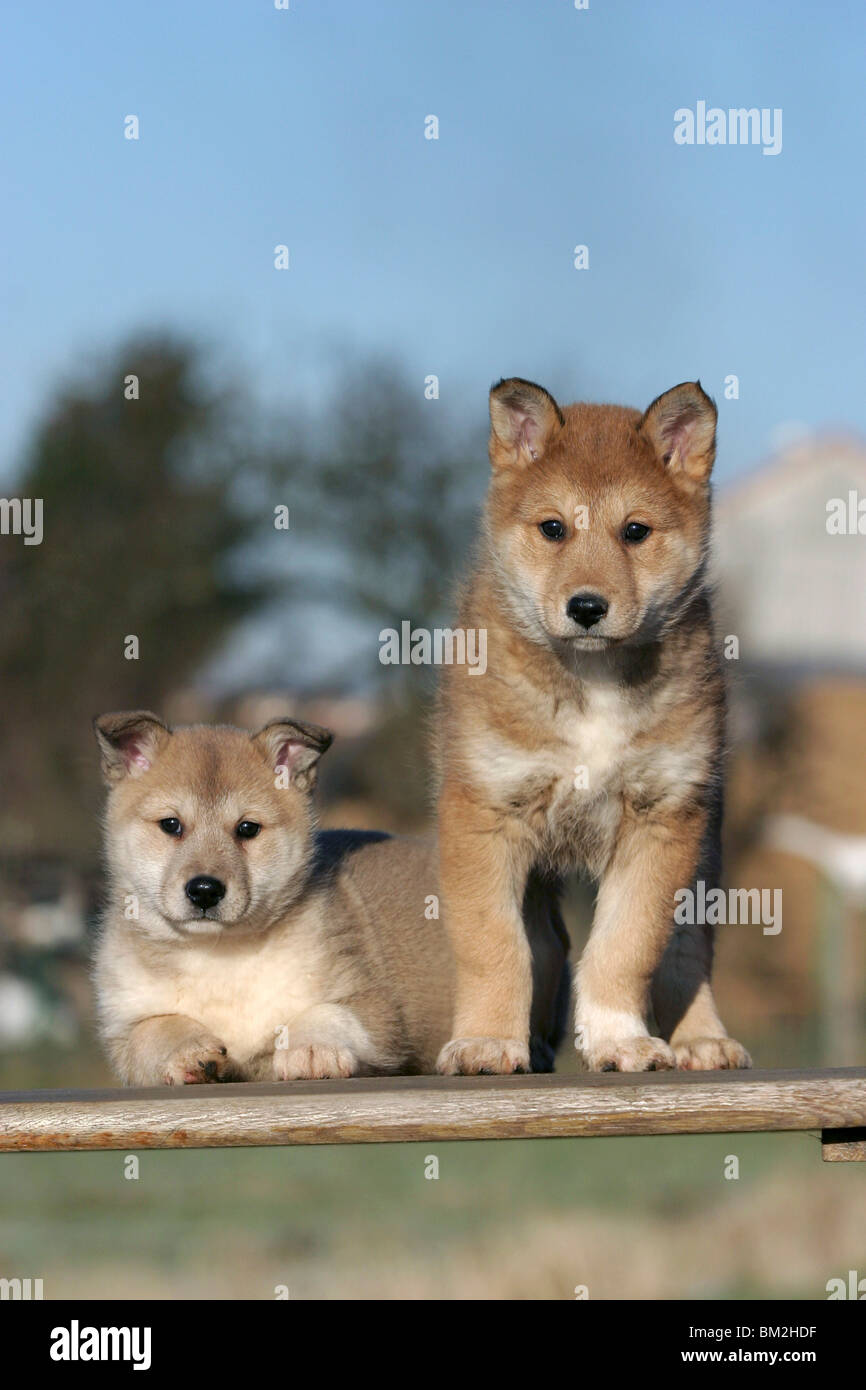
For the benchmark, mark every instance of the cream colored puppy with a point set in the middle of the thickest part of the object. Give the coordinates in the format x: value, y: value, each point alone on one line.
x: 238, y: 943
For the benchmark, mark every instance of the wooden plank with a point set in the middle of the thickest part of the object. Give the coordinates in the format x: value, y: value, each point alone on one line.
x: 393, y: 1109
x: 843, y: 1145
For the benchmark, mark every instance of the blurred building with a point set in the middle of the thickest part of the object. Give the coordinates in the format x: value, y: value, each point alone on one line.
x: 791, y: 569
x: 790, y: 590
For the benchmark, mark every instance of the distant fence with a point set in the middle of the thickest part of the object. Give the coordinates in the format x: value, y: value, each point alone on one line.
x: 432, y: 1108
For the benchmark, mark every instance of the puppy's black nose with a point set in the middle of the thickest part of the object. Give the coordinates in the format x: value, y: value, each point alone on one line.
x: 586, y: 609
x: 204, y: 891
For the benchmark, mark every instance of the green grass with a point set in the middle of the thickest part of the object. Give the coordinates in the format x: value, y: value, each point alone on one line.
x: 287, y: 1205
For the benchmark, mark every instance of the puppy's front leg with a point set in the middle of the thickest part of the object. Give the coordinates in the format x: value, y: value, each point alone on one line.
x: 328, y: 1040
x: 169, y: 1050
x: 653, y: 858
x: 484, y: 867
x: 682, y: 997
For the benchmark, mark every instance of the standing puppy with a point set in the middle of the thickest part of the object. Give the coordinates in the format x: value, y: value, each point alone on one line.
x: 595, y: 738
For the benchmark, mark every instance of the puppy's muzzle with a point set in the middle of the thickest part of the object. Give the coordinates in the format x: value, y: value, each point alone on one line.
x: 586, y: 609
x: 204, y: 891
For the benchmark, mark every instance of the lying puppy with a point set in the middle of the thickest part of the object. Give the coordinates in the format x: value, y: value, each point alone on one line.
x: 240, y: 944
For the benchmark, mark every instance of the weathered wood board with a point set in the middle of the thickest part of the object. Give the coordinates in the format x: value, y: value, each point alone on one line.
x: 432, y: 1109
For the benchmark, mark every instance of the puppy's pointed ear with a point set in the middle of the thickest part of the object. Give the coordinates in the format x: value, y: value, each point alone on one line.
x: 523, y: 420
x: 293, y: 747
x: 681, y: 426
x: 129, y: 743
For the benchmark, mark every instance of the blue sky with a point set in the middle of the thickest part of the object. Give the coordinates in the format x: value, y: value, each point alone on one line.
x: 306, y: 127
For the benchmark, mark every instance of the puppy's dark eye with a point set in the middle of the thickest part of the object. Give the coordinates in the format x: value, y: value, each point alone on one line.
x: 248, y: 830
x: 553, y: 530
x: 636, y: 532
x: 171, y: 825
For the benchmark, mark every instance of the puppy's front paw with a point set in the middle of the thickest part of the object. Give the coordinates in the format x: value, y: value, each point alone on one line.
x: 199, y: 1059
x: 483, y: 1056
x: 314, y: 1061
x: 630, y: 1054
x: 710, y: 1054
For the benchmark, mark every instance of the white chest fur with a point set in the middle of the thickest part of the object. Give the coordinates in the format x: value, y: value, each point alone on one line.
x: 591, y: 746
x: 570, y: 776
x: 600, y: 738
x: 243, y: 990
